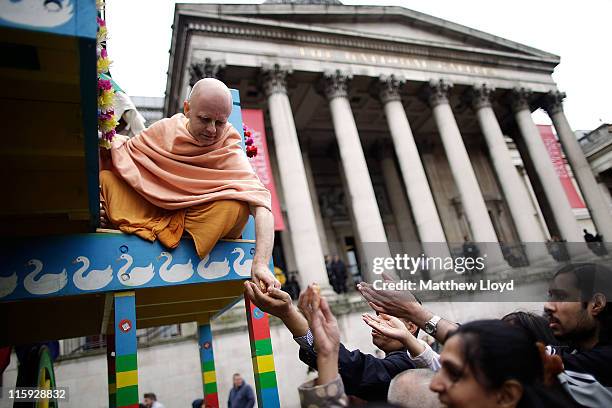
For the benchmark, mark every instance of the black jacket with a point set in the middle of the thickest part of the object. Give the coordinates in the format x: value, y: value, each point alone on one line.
x: 364, y: 375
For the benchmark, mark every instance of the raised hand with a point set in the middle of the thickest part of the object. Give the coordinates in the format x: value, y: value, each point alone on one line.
x: 275, y: 301
x: 321, y: 321
x: 388, y: 325
x: 392, y: 302
x: 325, y: 331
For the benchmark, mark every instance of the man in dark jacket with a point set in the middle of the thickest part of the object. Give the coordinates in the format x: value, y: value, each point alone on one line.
x: 364, y: 375
x: 338, y: 271
x: 241, y: 395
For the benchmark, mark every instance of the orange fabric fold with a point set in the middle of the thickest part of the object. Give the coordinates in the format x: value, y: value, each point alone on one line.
x: 172, y: 170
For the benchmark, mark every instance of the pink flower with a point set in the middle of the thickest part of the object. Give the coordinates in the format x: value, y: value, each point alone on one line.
x: 104, y: 84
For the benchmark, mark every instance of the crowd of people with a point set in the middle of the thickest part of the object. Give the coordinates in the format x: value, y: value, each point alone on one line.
x: 522, y: 360
x: 560, y: 359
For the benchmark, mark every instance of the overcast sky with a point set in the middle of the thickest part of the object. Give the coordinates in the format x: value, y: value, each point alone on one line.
x: 579, y: 32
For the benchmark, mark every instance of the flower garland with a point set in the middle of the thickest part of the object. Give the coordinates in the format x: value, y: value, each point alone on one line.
x: 251, y: 149
x: 107, y: 120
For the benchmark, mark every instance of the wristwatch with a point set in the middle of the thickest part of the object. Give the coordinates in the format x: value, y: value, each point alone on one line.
x: 432, y: 325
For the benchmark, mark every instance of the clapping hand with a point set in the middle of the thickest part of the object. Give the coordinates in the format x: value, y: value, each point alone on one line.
x: 321, y: 321
x: 388, y: 325
x: 325, y: 331
x: 392, y: 302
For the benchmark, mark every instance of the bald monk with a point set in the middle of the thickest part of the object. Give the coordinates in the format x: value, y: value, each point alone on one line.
x: 189, y: 172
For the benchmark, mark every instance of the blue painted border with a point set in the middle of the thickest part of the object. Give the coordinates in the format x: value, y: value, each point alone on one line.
x: 68, y: 277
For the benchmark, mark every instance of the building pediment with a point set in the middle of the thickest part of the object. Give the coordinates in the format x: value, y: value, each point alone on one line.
x: 378, y: 23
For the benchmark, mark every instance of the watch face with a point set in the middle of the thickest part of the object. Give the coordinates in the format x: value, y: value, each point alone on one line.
x: 429, y: 328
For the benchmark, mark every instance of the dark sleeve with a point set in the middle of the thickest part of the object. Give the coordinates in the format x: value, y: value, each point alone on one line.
x: 249, y: 397
x: 382, y: 370
x: 346, y: 359
x: 367, y: 376
x: 350, y: 368
x: 596, y: 362
x: 309, y: 357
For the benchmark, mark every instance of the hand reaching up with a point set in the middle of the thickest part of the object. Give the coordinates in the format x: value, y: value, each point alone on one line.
x: 325, y: 331
x: 399, y: 303
x: 321, y: 321
x: 275, y: 302
x: 396, y: 329
x: 388, y: 325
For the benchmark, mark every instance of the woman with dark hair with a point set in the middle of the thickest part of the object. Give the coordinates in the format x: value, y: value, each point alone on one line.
x: 535, y: 325
x: 490, y: 363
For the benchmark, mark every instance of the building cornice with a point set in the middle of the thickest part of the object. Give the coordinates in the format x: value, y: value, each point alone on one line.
x: 237, y: 26
x: 315, y: 14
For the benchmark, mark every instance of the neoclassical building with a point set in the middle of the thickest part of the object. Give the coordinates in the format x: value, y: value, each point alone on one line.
x: 389, y: 125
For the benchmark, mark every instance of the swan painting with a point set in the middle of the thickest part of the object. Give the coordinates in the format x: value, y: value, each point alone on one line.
x: 37, y: 13
x: 95, y: 279
x: 45, y: 284
x: 137, y: 276
x: 214, y: 270
x: 8, y: 284
x: 175, y: 273
x: 242, y: 268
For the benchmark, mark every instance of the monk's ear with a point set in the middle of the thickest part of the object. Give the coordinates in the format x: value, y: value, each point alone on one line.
x: 186, y: 107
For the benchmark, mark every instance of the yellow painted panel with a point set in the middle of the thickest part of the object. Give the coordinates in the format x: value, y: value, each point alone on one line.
x: 127, y: 378
x: 265, y: 363
x: 209, y: 377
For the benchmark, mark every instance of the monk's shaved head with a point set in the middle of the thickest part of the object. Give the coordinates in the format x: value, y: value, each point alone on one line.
x: 207, y: 108
x: 210, y: 88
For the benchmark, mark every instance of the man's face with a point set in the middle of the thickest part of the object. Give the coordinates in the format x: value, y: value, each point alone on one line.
x: 386, y: 344
x: 207, y: 114
x: 148, y: 402
x: 567, y: 316
x: 237, y: 381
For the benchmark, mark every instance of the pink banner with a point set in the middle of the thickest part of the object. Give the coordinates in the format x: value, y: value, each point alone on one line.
x: 556, y: 156
x: 254, y: 120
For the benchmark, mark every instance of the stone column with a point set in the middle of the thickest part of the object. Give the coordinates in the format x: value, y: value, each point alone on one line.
x: 515, y: 193
x: 399, y: 206
x: 421, y: 199
x: 463, y: 174
x: 600, y: 212
x: 302, y: 224
x: 559, y: 204
x: 315, y: 203
x: 362, y: 199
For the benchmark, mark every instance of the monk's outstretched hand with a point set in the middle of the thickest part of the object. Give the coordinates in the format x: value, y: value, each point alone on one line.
x: 264, y: 278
